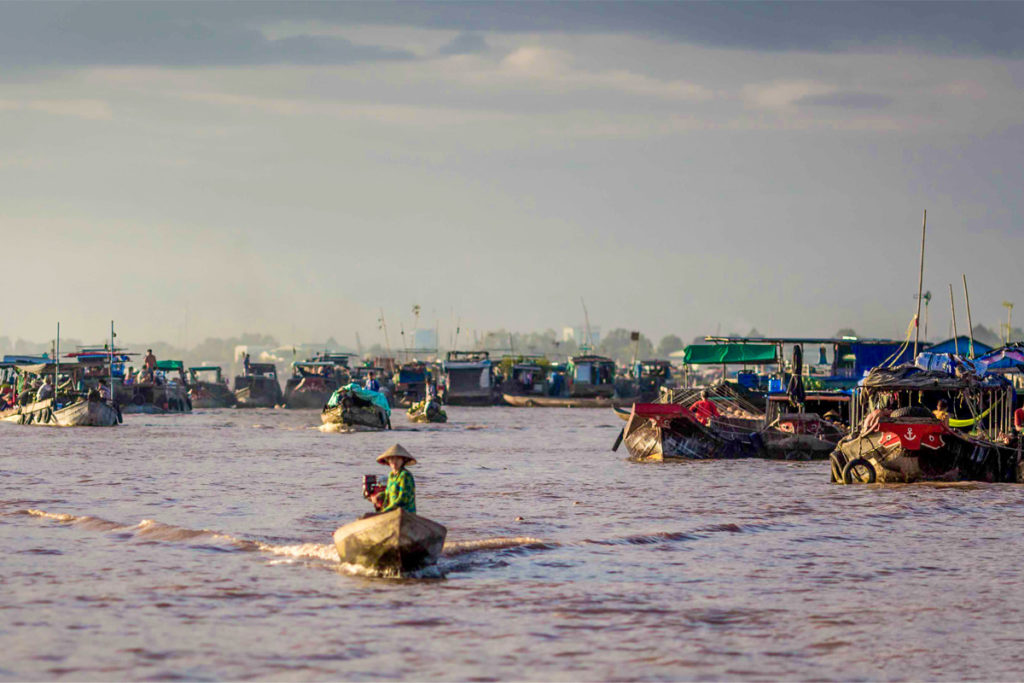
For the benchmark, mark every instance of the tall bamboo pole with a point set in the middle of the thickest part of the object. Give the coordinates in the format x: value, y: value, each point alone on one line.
x: 969, y: 323
x: 920, y: 285
x: 952, y: 308
x: 110, y: 375
x: 56, y: 360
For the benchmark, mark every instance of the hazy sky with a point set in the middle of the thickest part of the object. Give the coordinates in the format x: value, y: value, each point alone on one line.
x: 688, y: 168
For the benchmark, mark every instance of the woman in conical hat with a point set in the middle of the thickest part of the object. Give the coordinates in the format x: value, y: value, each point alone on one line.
x: 400, y: 491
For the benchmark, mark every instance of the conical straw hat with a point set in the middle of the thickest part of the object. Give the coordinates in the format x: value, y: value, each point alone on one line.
x: 400, y: 452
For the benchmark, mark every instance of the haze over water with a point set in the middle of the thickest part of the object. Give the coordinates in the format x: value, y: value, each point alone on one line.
x: 617, y: 570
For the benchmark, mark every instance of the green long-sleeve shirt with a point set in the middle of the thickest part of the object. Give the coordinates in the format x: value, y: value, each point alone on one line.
x: 400, y: 492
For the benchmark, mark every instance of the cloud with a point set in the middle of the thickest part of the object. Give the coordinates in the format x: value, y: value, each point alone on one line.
x: 161, y: 34
x: 848, y: 99
x: 94, y: 110
x: 466, y: 44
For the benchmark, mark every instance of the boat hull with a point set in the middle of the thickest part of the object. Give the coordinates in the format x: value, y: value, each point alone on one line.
x: 247, y: 398
x: 79, y: 414
x: 370, y: 417
x: 937, y: 454
x: 558, y: 402
x: 212, y: 395
x: 396, y: 542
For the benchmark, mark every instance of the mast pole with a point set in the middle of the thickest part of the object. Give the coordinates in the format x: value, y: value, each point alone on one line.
x: 56, y: 360
x: 920, y: 285
x: 952, y: 308
x: 110, y: 375
x: 970, y: 324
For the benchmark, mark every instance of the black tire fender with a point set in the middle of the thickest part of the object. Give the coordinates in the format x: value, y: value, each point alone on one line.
x: 857, y: 462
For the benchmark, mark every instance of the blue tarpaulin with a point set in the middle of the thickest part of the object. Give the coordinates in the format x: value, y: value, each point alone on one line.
x: 374, y: 397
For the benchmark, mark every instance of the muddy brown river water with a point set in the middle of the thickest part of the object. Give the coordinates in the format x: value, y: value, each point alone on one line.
x: 198, y: 547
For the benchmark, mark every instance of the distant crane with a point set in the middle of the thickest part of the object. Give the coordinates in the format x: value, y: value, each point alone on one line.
x: 1009, y: 318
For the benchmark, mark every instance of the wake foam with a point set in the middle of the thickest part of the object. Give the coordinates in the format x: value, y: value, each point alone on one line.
x: 152, y: 530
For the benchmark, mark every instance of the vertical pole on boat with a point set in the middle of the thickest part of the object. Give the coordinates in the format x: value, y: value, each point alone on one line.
x: 970, y: 324
x: 110, y: 368
x: 920, y: 285
x: 56, y: 360
x: 952, y: 308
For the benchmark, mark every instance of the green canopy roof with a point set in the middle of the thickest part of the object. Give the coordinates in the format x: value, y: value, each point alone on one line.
x: 169, y: 365
x: 709, y: 354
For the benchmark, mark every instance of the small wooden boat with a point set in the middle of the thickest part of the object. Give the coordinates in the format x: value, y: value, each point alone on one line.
x: 258, y: 387
x: 354, y: 406
x: 82, y: 413
x: 395, y: 542
x: 623, y: 413
x: 427, y: 411
x: 560, y: 402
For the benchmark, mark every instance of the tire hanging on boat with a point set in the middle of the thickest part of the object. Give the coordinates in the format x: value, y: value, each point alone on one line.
x: 856, y: 462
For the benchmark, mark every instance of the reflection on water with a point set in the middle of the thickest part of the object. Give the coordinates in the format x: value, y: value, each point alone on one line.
x: 198, y: 546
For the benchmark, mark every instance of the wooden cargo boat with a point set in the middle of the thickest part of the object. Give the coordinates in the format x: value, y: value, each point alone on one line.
x: 899, y: 439
x: 669, y: 431
x: 468, y: 379
x: 166, y: 392
x: 354, y: 406
x: 566, y: 402
x: 258, y: 387
x: 396, y: 542
x: 591, y: 376
x: 207, y: 388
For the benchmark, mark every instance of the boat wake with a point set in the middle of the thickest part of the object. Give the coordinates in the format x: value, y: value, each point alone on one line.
x: 455, y: 556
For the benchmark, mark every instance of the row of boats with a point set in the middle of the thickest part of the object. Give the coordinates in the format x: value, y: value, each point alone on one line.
x: 935, y: 417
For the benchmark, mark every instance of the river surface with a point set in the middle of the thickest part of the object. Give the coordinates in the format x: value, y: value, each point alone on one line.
x: 199, y: 547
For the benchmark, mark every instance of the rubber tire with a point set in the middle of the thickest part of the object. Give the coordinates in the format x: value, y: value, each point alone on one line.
x: 912, y: 411
x: 138, y: 400
x: 848, y: 471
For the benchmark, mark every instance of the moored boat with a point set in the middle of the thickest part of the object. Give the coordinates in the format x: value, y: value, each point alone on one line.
x: 564, y: 402
x: 468, y: 379
x: 396, y: 542
x: 898, y: 438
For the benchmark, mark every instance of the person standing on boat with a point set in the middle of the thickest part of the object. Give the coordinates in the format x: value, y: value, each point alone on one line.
x: 104, y: 390
x: 704, y: 409
x: 149, y: 362
x: 941, y: 411
x: 371, y: 383
x: 400, y: 491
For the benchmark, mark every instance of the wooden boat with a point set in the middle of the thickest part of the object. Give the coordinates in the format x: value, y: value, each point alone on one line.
x: 82, y: 413
x: 395, y: 542
x: 623, y: 413
x: 468, y: 379
x: 354, y: 406
x: 207, y: 388
x: 564, y: 402
x: 427, y: 411
x: 669, y: 431
x: 165, y: 392
x: 258, y: 388
x: 909, y: 444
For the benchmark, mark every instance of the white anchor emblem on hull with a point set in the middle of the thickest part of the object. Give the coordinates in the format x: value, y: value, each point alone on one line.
x: 910, y: 433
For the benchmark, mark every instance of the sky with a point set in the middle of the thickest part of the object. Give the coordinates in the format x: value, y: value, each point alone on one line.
x: 207, y: 169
